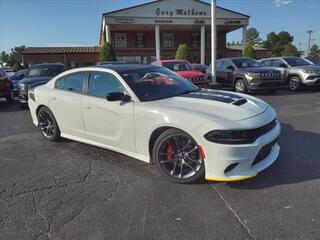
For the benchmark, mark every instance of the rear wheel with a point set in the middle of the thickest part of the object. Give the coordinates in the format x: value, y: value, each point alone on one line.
x: 178, y: 157
x: 294, y: 83
x: 240, y: 86
x: 48, y: 124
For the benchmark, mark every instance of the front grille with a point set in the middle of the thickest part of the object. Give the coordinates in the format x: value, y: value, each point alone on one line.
x: 272, y: 75
x: 264, y: 152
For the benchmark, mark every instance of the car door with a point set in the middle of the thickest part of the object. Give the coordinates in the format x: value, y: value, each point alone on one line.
x: 280, y: 65
x: 219, y: 71
x: 107, y: 122
x: 65, y: 103
x: 228, y: 70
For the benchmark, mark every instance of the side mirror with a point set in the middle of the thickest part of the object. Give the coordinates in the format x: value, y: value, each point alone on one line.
x: 283, y: 65
x: 231, y: 68
x: 118, y: 96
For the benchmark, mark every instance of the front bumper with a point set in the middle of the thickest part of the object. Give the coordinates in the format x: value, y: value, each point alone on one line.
x: 265, y: 84
x: 23, y: 96
x: 312, y: 80
x: 250, y: 158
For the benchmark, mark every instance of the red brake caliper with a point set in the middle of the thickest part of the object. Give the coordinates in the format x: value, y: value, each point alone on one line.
x: 169, y: 151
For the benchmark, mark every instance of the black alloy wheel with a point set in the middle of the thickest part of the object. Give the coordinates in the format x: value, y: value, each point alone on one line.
x: 178, y: 157
x: 48, y: 125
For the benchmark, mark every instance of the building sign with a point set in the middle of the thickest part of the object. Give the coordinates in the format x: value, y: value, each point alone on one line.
x: 180, y: 12
x: 197, y: 21
x: 163, y: 21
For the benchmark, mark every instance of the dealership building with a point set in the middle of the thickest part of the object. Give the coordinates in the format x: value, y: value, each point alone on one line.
x: 152, y: 31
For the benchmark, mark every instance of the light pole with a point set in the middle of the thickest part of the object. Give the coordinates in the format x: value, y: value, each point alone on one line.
x: 309, y: 32
x: 213, y: 41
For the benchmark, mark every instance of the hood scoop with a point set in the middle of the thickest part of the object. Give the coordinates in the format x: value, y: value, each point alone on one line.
x: 240, y: 102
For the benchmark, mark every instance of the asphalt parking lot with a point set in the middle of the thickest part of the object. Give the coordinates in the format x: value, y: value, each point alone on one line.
x: 69, y: 190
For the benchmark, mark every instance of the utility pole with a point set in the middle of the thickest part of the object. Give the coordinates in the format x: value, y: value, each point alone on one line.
x: 309, y: 32
x: 213, y: 41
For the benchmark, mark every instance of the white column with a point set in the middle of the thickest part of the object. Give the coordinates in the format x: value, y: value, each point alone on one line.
x: 213, y: 41
x: 203, y: 44
x: 108, y: 34
x: 244, y: 38
x: 157, y: 32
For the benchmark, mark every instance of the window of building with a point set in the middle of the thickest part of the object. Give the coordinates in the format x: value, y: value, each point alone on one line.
x: 101, y: 84
x: 168, y: 40
x: 140, y: 40
x: 72, y: 82
x: 120, y: 40
x: 195, y: 40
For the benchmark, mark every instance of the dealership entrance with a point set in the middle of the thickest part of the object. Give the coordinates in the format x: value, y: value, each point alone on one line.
x: 153, y: 31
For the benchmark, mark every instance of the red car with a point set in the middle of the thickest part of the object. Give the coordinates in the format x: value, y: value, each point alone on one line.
x: 185, y: 70
x: 5, y: 86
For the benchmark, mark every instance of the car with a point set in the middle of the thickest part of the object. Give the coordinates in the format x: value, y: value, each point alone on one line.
x: 8, y: 71
x: 246, y: 74
x: 5, y: 86
x: 314, y: 60
x: 152, y: 114
x: 19, y: 75
x: 297, y: 71
x: 185, y: 70
x: 200, y: 67
x: 38, y: 74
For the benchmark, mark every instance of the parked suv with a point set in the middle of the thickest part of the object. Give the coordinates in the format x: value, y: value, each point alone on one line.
x: 296, y: 70
x: 38, y: 74
x: 185, y: 70
x: 246, y: 74
x: 5, y: 86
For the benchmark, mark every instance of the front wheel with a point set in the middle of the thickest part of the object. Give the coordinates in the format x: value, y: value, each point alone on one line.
x: 240, y: 86
x: 48, y: 124
x: 294, y: 84
x: 178, y: 157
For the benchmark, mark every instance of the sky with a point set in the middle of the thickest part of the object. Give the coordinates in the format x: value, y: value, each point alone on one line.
x: 45, y: 23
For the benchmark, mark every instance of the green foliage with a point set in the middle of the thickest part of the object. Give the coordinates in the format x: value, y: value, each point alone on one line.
x: 16, y: 67
x: 249, y: 52
x: 107, y: 53
x: 314, y: 51
x: 4, y: 57
x: 16, y: 55
x: 289, y: 50
x: 253, y: 37
x: 183, y: 52
x: 280, y: 44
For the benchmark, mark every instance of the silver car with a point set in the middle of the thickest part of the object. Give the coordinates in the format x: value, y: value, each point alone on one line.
x: 296, y: 71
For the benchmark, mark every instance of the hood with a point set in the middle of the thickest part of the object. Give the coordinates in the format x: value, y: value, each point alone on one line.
x: 36, y: 80
x: 189, y: 74
x: 308, y: 67
x: 215, y: 104
x: 260, y: 69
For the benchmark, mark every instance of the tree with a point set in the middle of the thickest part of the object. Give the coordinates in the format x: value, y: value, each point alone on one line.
x: 249, y: 52
x: 314, y: 51
x: 107, y: 53
x: 289, y: 50
x: 4, y: 57
x: 183, y: 52
x: 253, y: 37
x: 16, y: 55
x: 280, y: 44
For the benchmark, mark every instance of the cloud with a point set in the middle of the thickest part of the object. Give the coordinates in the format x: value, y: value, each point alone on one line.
x: 280, y: 3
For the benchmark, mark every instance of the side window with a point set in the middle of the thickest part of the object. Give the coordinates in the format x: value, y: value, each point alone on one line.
x: 219, y: 65
x: 266, y: 63
x: 227, y: 64
x: 72, y: 82
x: 277, y: 63
x: 100, y: 84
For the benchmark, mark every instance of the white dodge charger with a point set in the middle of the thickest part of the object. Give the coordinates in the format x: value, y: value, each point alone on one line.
x: 152, y: 114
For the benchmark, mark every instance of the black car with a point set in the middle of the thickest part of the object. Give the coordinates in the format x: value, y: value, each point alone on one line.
x: 246, y: 74
x: 19, y: 75
x: 38, y: 74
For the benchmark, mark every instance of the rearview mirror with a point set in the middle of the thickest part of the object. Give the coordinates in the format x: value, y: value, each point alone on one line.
x: 118, y: 96
x: 283, y: 65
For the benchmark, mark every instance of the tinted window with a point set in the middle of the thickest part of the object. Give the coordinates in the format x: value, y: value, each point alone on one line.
x: 177, y: 66
x: 72, y: 82
x: 156, y: 83
x: 45, y: 70
x: 277, y: 63
x: 297, y: 61
x: 266, y: 63
x: 246, y: 62
x: 227, y: 63
x: 219, y: 65
x: 101, y: 84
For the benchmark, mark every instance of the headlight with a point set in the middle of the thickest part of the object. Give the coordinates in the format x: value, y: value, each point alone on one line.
x: 311, y: 71
x: 229, y: 136
x: 251, y: 74
x: 22, y: 86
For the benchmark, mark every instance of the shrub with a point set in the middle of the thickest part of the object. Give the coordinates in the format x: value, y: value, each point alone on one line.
x: 183, y: 52
x: 249, y: 52
x: 107, y: 53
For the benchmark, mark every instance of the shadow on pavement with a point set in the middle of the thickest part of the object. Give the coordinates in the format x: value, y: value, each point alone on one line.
x: 299, y: 161
x: 14, y: 106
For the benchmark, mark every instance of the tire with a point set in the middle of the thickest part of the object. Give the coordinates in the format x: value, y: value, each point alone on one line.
x: 240, y: 86
x: 294, y: 83
x: 48, y: 125
x: 178, y: 157
x: 10, y: 98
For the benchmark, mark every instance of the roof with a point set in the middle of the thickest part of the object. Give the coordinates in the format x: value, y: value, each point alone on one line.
x: 60, y: 50
x: 239, y: 47
x: 120, y: 68
x: 144, y: 4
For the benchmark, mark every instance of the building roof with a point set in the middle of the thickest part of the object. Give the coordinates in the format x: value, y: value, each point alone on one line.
x: 152, y: 2
x: 60, y: 50
x: 239, y: 47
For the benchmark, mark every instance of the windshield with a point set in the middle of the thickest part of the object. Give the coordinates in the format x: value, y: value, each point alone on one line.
x: 157, y: 83
x: 246, y: 62
x: 177, y: 66
x: 45, y: 70
x: 20, y: 72
x: 294, y: 62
